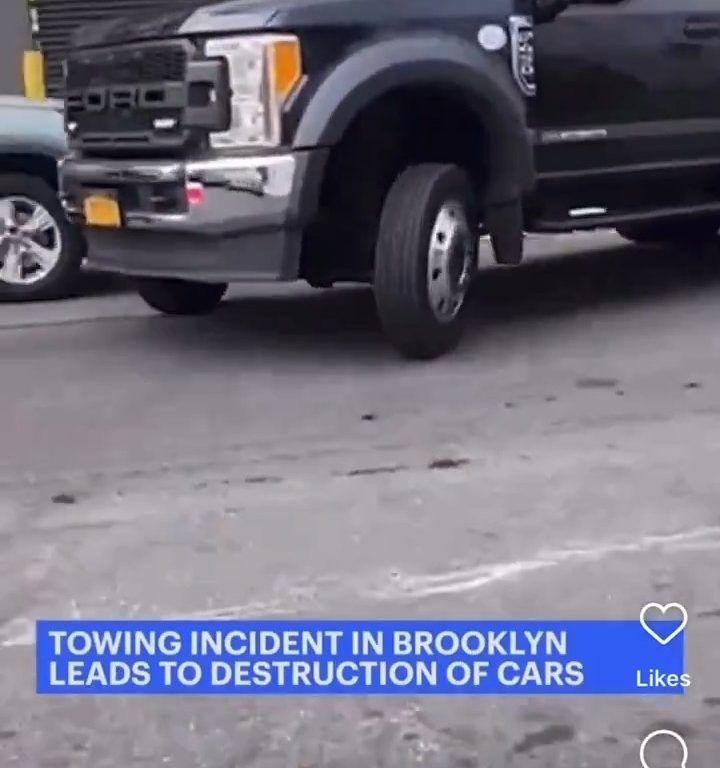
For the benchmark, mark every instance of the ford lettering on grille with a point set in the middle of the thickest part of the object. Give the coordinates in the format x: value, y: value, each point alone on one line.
x: 159, y: 97
x: 117, y: 96
x: 123, y: 97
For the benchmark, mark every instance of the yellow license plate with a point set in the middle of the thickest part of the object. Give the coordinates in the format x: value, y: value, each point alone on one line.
x: 102, y: 211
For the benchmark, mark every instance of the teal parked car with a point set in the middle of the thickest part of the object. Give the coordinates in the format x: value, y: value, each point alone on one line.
x: 41, y: 252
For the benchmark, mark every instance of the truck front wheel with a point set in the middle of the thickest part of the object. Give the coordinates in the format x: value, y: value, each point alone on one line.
x: 181, y: 297
x: 425, y: 259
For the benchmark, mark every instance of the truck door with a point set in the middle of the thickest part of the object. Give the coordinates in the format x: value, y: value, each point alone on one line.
x: 629, y: 84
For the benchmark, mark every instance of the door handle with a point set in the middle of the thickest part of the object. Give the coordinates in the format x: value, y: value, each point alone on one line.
x: 701, y: 30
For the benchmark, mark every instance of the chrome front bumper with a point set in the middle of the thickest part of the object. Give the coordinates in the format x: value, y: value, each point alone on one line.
x: 231, y: 218
x: 237, y: 193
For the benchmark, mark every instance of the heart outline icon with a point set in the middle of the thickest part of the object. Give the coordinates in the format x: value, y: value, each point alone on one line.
x: 663, y: 610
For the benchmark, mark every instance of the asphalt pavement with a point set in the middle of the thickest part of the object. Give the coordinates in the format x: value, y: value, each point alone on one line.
x: 277, y: 459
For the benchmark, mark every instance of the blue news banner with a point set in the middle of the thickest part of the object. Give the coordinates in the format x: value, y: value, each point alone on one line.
x: 357, y: 658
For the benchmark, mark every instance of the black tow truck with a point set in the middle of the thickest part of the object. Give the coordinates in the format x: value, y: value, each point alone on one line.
x: 377, y: 140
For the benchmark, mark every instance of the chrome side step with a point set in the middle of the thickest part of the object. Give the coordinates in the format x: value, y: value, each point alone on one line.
x: 598, y: 217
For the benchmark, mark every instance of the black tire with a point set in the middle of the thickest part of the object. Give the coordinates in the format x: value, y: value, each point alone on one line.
x: 181, y: 297
x: 62, y: 279
x: 401, y: 258
x: 677, y: 232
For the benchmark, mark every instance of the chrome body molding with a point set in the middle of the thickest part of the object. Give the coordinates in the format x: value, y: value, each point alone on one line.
x: 522, y: 53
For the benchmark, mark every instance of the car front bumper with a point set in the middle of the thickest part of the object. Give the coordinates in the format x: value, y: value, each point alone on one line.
x: 220, y: 219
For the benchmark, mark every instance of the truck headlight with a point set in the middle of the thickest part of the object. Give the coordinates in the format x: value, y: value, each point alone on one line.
x: 264, y: 70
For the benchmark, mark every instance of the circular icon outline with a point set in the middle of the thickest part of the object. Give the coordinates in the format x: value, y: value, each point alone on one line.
x: 664, y: 732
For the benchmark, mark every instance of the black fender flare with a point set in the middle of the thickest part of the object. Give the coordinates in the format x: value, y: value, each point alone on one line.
x: 482, y: 80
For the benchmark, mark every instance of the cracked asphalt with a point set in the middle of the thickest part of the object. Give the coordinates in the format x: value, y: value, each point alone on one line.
x: 276, y: 459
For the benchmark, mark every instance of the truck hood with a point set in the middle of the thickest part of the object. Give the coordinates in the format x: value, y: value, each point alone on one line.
x: 209, y: 18
x: 247, y: 15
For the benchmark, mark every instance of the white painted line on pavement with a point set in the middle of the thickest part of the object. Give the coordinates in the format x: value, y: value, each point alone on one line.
x: 468, y: 580
x: 20, y: 632
x: 17, y: 632
x: 254, y: 610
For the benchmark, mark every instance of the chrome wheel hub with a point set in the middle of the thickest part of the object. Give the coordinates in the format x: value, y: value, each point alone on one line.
x: 30, y: 241
x: 451, y: 261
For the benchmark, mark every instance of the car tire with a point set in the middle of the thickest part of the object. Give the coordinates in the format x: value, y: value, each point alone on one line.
x: 33, y: 222
x: 181, y: 297
x: 678, y: 232
x: 425, y: 259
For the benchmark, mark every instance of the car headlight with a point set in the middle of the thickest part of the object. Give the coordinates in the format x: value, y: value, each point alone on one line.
x: 264, y: 70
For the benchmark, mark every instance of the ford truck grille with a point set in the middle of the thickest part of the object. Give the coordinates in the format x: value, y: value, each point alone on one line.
x: 128, y: 66
x: 143, y: 99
